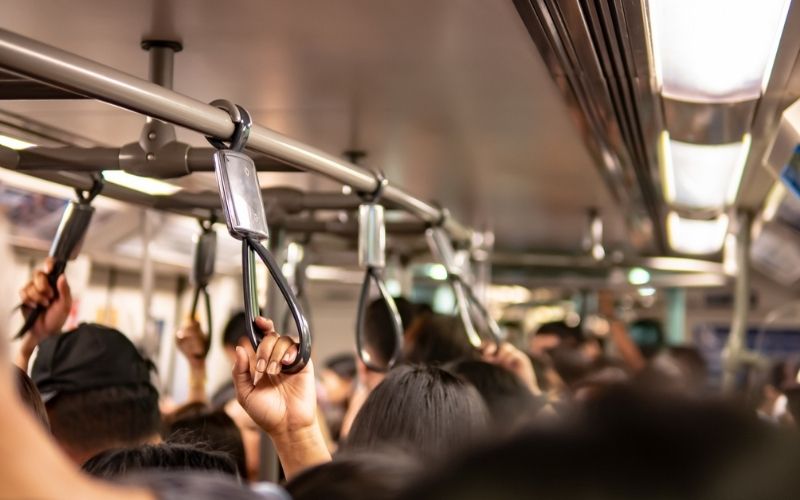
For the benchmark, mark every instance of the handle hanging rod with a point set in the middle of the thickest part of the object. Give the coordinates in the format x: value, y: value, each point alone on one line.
x: 68, y: 71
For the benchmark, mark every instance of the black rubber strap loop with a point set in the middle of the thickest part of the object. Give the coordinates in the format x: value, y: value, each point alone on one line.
x: 242, y: 124
x: 198, y: 292
x: 380, y: 186
x: 373, y: 275
x: 473, y: 302
x: 87, y: 196
x: 251, y: 248
x: 300, y: 295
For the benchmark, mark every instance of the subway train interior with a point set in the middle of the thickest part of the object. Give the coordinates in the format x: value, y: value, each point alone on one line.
x: 396, y: 249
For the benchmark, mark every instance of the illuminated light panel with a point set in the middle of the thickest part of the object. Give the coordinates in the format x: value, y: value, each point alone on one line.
x: 715, y: 50
x: 647, y: 291
x: 702, y: 176
x: 142, y: 184
x: 638, y: 276
x: 11, y: 142
x: 696, y: 237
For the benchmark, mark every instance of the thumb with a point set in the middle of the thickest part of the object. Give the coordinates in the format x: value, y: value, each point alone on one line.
x: 242, y: 380
x: 64, y: 292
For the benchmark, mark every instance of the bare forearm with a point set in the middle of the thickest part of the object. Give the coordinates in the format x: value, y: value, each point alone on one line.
x: 197, y: 385
x: 629, y: 351
x: 299, y: 450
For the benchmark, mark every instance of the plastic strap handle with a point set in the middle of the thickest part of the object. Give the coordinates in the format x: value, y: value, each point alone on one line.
x: 198, y: 291
x: 251, y: 248
x: 373, y: 275
x: 491, y: 324
x: 300, y: 295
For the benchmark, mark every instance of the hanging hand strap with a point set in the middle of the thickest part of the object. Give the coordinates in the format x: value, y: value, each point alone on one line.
x: 202, y: 272
x: 372, y: 256
x: 66, y: 244
x: 466, y: 301
x: 247, y: 222
x: 251, y: 248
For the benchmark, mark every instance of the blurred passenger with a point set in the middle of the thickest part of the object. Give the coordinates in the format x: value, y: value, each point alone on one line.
x: 550, y: 383
x: 420, y: 409
x: 552, y: 335
x: 117, y: 463
x: 438, y: 339
x: 97, y: 391
x: 31, y: 397
x: 510, y: 402
x: 210, y: 431
x: 338, y: 380
x: 629, y: 446
x: 359, y: 476
x: 234, y: 334
x: 648, y: 335
x: 677, y: 369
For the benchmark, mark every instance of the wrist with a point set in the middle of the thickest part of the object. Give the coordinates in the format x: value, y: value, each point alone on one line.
x: 301, y: 448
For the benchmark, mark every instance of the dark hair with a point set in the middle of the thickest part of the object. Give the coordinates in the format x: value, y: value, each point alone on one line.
x: 170, y: 485
x: 648, y: 335
x: 235, y: 329
x: 30, y: 396
x: 379, y: 337
x: 437, y: 339
x: 343, y: 365
x: 420, y: 409
x: 357, y: 476
x: 509, y: 401
x: 620, y: 449
x: 117, y: 463
x: 99, y: 419
x: 209, y: 430
x: 571, y: 334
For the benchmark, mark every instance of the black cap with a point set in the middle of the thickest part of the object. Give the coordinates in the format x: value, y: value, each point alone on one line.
x: 89, y: 357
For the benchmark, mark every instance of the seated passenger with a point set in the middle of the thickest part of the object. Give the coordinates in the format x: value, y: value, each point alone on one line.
x: 420, y: 409
x: 117, y: 463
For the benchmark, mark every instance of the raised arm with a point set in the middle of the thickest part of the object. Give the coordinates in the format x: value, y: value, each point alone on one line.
x: 39, y: 292
x: 283, y: 405
x: 192, y: 344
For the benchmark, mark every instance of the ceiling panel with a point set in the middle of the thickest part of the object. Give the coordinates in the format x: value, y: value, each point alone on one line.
x: 449, y: 97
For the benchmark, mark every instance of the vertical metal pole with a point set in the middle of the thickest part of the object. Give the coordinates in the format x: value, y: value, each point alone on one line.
x: 676, y: 316
x: 149, y: 340
x: 741, y: 303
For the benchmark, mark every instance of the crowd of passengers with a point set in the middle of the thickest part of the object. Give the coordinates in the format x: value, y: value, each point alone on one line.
x: 568, y: 416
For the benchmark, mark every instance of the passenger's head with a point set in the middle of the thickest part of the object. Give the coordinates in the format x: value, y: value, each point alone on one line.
x: 620, y: 449
x: 338, y: 375
x: 210, y: 431
x: 235, y: 334
x: 357, y: 476
x: 421, y: 409
x: 379, y: 338
x: 117, y: 463
x: 437, y: 339
x: 97, y: 391
x: 678, y: 369
x: 196, y: 485
x: 509, y: 401
x: 31, y: 397
x: 648, y: 335
x: 555, y: 334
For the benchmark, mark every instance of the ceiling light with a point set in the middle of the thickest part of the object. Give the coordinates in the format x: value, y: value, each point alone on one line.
x: 700, y: 175
x: 11, y: 142
x: 647, y: 291
x: 696, y: 237
x: 638, y: 276
x: 715, y: 50
x: 436, y: 272
x: 145, y: 185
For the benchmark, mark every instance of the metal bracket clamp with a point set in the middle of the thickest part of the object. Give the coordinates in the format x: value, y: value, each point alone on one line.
x: 67, y: 242
x: 372, y: 256
x: 442, y: 250
x: 203, y: 260
x: 245, y: 217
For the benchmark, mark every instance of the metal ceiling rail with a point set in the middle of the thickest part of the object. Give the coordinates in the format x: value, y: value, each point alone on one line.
x: 71, y: 72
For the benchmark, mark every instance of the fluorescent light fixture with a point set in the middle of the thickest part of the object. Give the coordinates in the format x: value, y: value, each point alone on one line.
x: 701, y: 175
x: 647, y: 291
x: 436, y: 272
x: 696, y: 237
x: 142, y: 184
x: 715, y: 50
x: 11, y: 142
x: 638, y: 276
